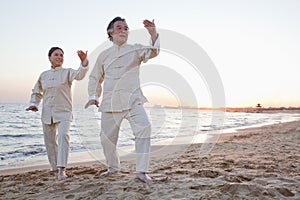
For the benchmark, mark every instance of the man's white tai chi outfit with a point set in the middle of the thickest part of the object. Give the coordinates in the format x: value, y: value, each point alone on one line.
x: 118, y: 68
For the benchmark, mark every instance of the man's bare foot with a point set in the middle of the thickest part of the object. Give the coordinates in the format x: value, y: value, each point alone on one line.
x: 144, y: 177
x: 61, y: 174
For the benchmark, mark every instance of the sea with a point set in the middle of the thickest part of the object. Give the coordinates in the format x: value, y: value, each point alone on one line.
x: 21, y: 135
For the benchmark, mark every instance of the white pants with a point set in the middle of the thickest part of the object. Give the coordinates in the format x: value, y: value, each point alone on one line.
x: 57, y: 145
x: 140, y: 125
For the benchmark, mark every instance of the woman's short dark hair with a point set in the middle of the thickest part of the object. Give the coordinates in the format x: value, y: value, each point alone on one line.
x: 53, y: 49
x: 111, y: 26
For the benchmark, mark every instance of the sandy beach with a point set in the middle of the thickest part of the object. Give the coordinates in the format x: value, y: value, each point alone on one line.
x: 257, y: 163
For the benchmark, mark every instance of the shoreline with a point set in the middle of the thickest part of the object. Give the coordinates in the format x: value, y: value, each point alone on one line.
x: 17, y: 155
x: 167, y: 146
x: 96, y: 156
x: 253, y: 163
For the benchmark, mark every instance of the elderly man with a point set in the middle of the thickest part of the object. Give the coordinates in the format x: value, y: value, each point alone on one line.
x: 118, y: 67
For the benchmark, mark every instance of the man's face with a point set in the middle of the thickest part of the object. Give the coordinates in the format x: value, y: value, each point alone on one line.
x: 120, y: 32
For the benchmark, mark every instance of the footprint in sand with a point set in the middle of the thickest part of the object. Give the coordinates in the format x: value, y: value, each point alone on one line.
x: 237, y: 179
x: 159, y: 177
x: 208, y: 173
x: 285, y: 192
x: 70, y: 196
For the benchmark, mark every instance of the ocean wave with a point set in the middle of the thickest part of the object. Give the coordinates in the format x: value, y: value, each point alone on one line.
x: 22, y: 153
x: 19, y: 135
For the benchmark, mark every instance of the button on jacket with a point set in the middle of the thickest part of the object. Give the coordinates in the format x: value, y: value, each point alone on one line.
x: 118, y: 67
x: 54, y: 87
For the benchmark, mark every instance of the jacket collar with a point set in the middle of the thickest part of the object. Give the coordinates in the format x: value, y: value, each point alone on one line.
x: 117, y: 46
x: 56, y: 68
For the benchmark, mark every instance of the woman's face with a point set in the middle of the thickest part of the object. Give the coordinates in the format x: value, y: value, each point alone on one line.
x: 56, y: 58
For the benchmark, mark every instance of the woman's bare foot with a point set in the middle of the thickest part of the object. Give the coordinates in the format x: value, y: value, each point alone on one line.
x: 109, y: 172
x: 61, y: 174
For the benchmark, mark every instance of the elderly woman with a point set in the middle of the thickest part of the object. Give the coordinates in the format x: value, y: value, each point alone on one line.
x: 54, y: 87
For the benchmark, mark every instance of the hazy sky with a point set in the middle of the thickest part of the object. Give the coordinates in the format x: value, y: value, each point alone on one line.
x: 254, y: 44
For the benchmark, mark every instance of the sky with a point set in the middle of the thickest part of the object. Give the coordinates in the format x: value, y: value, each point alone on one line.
x: 253, y: 44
